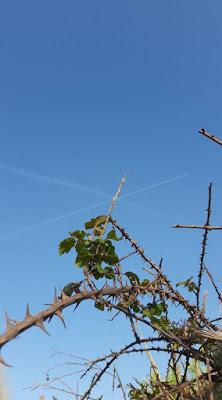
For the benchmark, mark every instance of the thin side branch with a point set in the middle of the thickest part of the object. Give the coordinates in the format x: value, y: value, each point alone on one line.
x: 205, y: 227
x: 210, y: 136
x: 213, y: 283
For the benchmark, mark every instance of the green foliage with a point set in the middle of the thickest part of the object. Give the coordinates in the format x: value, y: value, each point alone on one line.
x: 95, y: 253
x: 71, y: 287
x: 189, y: 284
x: 113, y: 236
x: 155, y: 309
x: 96, y: 224
x: 133, y: 278
x: 66, y: 245
x: 156, y: 312
x: 145, y: 283
x: 173, y: 376
x: 215, y: 349
x: 99, y: 304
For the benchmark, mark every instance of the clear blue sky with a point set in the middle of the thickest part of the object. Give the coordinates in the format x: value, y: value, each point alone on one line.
x: 89, y: 90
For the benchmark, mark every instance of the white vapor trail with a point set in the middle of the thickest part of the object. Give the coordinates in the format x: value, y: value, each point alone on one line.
x: 80, y: 210
x: 155, y: 185
x: 56, y: 181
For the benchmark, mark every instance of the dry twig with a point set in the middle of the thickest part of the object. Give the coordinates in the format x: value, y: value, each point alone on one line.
x: 203, y: 132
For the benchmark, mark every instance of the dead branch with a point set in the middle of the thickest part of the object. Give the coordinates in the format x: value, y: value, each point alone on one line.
x: 113, y: 203
x: 205, y: 227
x: 203, y: 132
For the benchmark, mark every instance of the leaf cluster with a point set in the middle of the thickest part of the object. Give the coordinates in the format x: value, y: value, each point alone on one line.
x: 95, y: 253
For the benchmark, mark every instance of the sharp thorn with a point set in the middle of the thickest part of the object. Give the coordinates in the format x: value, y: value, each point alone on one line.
x: 14, y: 322
x: 27, y: 314
x: 59, y: 314
x: 50, y: 318
x: 40, y: 325
x: 55, y: 301
x: 9, y: 322
x: 77, y: 305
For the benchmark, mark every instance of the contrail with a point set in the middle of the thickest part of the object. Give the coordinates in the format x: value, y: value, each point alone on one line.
x: 51, y: 221
x: 56, y: 181
x: 80, y: 210
x: 176, y: 178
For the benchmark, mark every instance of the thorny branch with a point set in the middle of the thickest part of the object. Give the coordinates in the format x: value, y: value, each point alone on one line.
x: 191, y: 309
x: 15, y: 328
x: 204, y: 244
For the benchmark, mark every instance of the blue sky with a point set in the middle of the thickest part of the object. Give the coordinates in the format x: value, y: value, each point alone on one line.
x: 91, y: 90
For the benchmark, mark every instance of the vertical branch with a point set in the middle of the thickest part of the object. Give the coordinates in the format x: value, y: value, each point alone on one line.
x: 120, y: 384
x: 4, y: 393
x: 198, y: 373
x: 211, y: 393
x: 151, y: 359
x: 204, y: 244
x: 113, y: 203
x: 134, y: 329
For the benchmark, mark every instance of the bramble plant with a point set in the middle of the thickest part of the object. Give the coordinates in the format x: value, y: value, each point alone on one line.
x: 189, y: 339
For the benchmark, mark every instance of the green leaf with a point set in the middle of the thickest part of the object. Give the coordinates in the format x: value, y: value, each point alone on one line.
x: 109, y: 273
x: 99, y: 268
x: 98, y: 231
x: 163, y: 323
x: 154, y: 310
x: 97, y: 275
x: 135, y: 307
x: 82, y: 259
x: 145, y: 283
x: 113, y: 236
x: 66, y: 245
x: 81, y: 246
x: 101, y: 219
x: 162, y: 307
x: 99, y: 305
x: 83, y: 254
x: 78, y: 234
x: 71, y: 287
x: 146, y: 313
x: 172, y: 376
x: 134, y: 279
x: 189, y: 284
